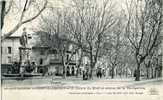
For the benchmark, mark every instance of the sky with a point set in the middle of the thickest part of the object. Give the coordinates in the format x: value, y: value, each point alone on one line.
x: 12, y: 18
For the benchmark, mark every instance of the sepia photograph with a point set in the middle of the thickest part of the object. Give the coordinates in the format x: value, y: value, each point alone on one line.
x: 81, y: 49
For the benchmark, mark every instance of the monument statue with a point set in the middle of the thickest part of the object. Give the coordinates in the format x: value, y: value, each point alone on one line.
x: 24, y: 52
x: 24, y: 38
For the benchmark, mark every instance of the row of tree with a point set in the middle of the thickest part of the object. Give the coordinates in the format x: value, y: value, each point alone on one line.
x: 126, y: 37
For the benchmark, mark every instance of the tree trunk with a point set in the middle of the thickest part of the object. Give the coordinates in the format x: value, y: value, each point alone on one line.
x: 147, y: 69
x: 137, y: 78
x: 155, y: 73
x: 126, y: 73
x: 152, y: 73
x: 132, y: 72
x: 2, y: 12
x: 91, y: 73
x: 78, y: 71
x: 78, y: 66
x: 92, y: 64
x: 64, y: 72
x: 91, y: 70
x: 160, y: 71
x: 112, y: 72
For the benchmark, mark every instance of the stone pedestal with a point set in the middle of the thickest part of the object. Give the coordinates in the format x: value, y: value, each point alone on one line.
x: 24, y: 58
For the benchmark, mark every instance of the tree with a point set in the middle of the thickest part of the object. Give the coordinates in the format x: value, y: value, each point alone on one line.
x: 85, y: 23
x: 115, y: 46
x: 95, y: 20
x: 113, y: 52
x: 57, y: 36
x: 22, y: 9
x: 143, y: 28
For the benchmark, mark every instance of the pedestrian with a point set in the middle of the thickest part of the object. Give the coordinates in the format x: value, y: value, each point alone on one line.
x: 135, y: 73
x: 83, y: 74
x: 100, y: 73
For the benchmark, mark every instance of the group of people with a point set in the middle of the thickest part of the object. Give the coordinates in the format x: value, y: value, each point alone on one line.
x: 86, y: 74
x: 70, y: 72
x: 99, y: 73
x: 16, y: 68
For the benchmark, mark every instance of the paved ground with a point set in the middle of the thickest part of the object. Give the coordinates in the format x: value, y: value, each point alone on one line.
x: 142, y: 90
x: 51, y: 81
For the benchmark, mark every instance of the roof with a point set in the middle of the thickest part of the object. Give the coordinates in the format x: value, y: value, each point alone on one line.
x: 17, y: 37
x: 40, y: 47
x: 13, y: 37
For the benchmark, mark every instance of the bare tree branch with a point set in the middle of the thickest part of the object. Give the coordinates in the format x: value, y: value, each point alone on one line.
x: 21, y: 22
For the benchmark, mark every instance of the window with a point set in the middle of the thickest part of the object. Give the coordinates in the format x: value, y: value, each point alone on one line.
x: 9, y: 50
x: 42, y: 52
x: 54, y: 51
x: 54, y: 56
x: 9, y: 60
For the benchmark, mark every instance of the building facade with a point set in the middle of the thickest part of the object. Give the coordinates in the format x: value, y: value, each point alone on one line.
x: 49, y: 61
x: 10, y: 53
x: 10, y: 50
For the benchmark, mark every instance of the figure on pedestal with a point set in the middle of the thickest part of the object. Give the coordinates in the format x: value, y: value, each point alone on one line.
x: 24, y: 38
x: 24, y: 53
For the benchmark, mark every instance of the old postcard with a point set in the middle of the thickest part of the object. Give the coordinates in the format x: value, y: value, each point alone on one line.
x: 81, y: 49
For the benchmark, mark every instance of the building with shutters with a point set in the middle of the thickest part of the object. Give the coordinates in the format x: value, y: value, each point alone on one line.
x: 48, y: 61
x: 10, y: 51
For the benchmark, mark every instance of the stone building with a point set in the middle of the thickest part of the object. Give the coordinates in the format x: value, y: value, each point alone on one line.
x: 49, y: 61
x: 10, y: 51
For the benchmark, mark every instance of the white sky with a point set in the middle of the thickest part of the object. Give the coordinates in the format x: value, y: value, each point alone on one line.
x: 11, y: 20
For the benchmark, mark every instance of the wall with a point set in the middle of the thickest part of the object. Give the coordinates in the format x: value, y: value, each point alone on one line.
x: 14, y: 44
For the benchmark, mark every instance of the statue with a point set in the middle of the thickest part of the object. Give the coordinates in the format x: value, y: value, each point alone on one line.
x: 24, y: 38
x: 24, y: 52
